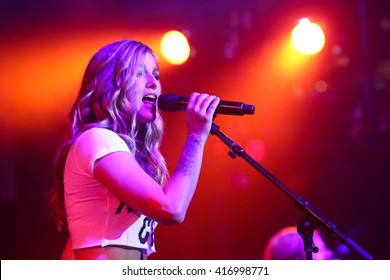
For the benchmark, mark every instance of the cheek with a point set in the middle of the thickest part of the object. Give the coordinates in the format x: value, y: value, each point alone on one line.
x: 158, y: 86
x: 132, y: 104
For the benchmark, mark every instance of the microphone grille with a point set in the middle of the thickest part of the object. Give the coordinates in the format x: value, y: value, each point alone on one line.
x: 167, y: 102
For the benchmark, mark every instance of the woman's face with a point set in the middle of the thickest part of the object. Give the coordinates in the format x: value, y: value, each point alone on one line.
x: 147, y: 90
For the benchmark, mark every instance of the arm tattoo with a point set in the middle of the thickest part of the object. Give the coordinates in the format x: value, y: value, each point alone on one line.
x: 189, y: 156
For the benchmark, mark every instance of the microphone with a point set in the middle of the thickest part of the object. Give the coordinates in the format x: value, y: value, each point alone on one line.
x: 171, y: 102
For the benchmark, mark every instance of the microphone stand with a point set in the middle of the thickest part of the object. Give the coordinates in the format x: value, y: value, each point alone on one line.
x: 311, y: 219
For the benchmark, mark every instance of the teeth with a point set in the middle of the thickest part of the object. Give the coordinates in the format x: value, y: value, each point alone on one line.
x: 150, y: 97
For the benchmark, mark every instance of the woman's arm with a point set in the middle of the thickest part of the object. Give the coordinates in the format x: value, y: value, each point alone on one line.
x: 123, y: 176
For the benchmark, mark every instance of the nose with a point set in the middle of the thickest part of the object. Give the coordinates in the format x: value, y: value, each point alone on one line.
x: 151, y: 81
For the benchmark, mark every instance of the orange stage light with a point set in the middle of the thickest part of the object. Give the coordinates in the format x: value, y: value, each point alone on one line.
x: 174, y: 47
x: 308, y: 37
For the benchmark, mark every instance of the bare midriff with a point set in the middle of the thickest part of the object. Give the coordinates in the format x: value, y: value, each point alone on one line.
x: 109, y: 253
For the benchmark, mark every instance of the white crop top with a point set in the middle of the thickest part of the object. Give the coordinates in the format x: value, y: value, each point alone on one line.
x: 95, y: 216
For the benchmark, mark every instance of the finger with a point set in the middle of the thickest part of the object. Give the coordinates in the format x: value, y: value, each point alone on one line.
x: 213, y: 105
x: 197, y: 101
x: 205, y: 104
x: 192, y: 99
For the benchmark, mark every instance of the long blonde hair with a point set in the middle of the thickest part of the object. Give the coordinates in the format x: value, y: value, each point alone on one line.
x: 103, y: 101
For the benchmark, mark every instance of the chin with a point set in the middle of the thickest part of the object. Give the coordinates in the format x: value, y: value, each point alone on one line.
x: 145, y: 120
x: 146, y: 116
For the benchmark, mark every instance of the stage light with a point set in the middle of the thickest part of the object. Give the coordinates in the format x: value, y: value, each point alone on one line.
x: 308, y: 37
x: 174, y: 47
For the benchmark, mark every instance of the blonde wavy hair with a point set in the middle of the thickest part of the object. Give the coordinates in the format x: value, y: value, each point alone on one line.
x: 104, y: 101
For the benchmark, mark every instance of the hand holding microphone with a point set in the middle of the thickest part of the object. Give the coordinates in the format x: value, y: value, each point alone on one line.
x: 199, y: 114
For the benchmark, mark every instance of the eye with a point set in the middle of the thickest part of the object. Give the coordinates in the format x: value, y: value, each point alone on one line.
x: 140, y: 73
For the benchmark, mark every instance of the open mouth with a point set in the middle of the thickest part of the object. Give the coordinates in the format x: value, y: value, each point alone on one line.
x: 149, y: 98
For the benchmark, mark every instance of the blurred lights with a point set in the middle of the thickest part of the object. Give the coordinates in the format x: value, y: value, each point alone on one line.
x: 174, y: 47
x: 297, y: 89
x: 385, y: 23
x: 342, y: 61
x: 307, y: 37
x: 321, y: 86
x: 255, y: 148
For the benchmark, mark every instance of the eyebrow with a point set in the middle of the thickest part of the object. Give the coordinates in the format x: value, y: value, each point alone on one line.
x: 144, y: 67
